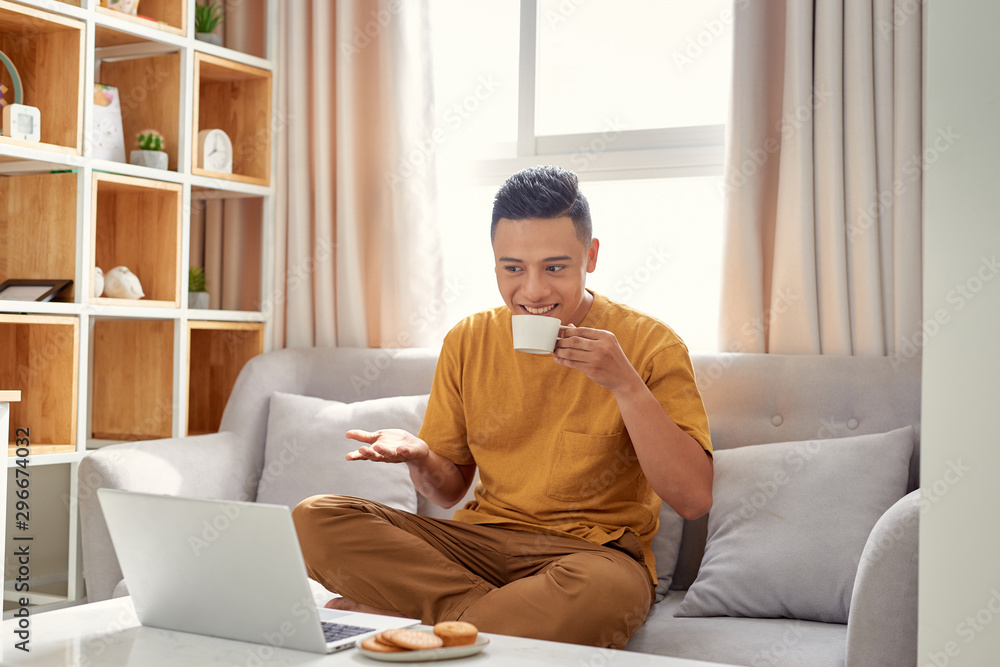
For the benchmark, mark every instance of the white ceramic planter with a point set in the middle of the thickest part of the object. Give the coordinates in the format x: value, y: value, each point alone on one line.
x: 198, y: 300
x: 209, y: 37
x: 154, y: 159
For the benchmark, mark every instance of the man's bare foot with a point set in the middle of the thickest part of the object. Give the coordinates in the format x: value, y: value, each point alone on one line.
x: 347, y: 604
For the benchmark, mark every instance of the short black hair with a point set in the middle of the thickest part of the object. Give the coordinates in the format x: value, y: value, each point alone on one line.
x: 543, y: 192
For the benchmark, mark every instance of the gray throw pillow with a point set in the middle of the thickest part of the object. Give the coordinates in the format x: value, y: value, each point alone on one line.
x: 666, y: 548
x: 305, y: 449
x: 789, y: 522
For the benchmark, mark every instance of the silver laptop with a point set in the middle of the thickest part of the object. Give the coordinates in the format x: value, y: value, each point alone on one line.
x: 225, y: 569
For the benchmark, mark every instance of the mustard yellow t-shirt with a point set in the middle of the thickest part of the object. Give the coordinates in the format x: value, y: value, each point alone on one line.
x: 553, y: 453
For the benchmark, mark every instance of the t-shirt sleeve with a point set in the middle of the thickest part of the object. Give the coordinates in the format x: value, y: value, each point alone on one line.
x: 671, y: 381
x: 445, y: 429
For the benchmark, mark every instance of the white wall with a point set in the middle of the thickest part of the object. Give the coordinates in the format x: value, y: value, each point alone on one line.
x: 960, y: 441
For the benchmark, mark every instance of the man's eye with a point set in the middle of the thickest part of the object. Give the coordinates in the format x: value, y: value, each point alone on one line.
x: 512, y: 269
x: 555, y: 267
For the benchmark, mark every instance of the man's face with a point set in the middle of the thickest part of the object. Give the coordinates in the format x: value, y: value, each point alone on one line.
x: 542, y: 267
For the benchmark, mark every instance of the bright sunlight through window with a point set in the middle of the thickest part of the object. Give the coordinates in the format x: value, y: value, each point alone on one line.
x: 660, y: 71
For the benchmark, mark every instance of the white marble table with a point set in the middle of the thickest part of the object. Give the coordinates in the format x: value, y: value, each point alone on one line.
x: 108, y: 634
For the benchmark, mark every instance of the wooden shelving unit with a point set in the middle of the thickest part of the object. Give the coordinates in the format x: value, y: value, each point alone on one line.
x: 38, y: 228
x: 216, y: 353
x: 94, y: 370
x: 137, y: 223
x: 166, y: 15
x: 41, y: 359
x: 36, y: 42
x: 221, y: 86
x: 152, y: 88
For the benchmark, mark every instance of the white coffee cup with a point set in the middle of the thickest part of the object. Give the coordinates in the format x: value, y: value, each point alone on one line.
x: 536, y: 334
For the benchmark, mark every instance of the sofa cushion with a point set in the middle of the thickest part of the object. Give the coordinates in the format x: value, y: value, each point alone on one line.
x: 758, y: 642
x: 305, y: 449
x: 789, y: 523
x: 666, y: 548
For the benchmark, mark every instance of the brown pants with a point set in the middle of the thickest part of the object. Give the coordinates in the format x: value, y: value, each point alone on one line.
x: 503, y: 581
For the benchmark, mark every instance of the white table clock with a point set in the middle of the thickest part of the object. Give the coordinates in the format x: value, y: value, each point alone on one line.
x: 22, y: 122
x: 215, y: 151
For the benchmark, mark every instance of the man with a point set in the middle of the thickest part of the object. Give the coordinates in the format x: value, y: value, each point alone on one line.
x: 574, y: 451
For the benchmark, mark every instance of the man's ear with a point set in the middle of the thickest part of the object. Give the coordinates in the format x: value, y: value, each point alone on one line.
x: 595, y: 245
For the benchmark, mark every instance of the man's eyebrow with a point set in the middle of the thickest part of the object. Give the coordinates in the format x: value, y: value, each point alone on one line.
x: 561, y: 258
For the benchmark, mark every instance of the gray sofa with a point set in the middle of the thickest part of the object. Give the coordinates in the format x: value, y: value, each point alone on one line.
x: 751, y: 400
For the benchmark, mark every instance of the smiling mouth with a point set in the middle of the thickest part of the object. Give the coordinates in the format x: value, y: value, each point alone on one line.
x: 539, y: 311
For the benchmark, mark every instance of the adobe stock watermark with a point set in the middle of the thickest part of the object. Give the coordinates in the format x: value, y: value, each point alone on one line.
x: 781, y: 301
x: 588, y: 153
x: 930, y: 495
x: 912, y: 346
x: 93, y: 647
x: 656, y: 259
x: 288, y: 453
x: 562, y: 13
x: 418, y: 158
x: 902, y: 12
x: 790, y: 123
x: 795, y: 459
x: 212, y: 529
x: 706, y: 38
x: 261, y: 654
x: 362, y: 36
x: 911, y: 172
x: 970, y: 628
x: 419, y: 321
x: 775, y: 653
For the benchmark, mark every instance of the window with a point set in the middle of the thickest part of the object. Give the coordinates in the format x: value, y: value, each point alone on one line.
x: 633, y: 97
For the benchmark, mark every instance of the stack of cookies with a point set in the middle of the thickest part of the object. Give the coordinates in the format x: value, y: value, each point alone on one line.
x: 448, y: 633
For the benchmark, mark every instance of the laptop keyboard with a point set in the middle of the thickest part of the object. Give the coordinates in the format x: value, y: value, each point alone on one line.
x: 335, y: 631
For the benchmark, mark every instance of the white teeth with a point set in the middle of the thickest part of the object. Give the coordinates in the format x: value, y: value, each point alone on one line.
x: 538, y: 311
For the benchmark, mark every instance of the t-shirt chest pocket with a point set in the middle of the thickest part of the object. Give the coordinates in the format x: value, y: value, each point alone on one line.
x: 583, y: 465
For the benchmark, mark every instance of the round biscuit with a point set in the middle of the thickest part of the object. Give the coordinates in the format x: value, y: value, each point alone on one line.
x: 456, y: 633
x: 374, y: 644
x: 414, y: 640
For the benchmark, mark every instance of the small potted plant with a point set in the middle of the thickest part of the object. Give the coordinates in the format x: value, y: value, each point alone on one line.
x: 207, y: 16
x: 150, y: 153
x: 197, y: 292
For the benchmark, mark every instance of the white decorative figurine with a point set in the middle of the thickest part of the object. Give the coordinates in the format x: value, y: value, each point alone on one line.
x: 121, y: 283
x: 98, y: 281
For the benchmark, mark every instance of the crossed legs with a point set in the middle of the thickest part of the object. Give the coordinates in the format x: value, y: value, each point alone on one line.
x: 503, y: 581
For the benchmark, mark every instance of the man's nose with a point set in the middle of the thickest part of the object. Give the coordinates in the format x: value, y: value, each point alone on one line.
x: 535, y: 286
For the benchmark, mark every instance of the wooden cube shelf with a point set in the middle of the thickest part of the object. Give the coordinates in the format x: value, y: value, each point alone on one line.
x: 214, y: 217
x: 133, y: 379
x: 149, y: 90
x: 166, y: 15
x: 136, y: 223
x: 217, y: 352
x: 38, y: 228
x: 40, y: 358
x: 47, y: 51
x: 235, y: 98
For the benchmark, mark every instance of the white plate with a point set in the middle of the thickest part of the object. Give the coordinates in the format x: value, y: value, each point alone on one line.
x: 445, y: 653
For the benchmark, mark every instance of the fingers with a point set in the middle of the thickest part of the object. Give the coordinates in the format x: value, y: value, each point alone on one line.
x: 362, y: 436
x: 380, y: 454
x: 571, y: 331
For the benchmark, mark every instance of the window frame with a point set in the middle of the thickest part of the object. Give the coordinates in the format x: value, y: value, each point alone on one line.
x: 608, y: 155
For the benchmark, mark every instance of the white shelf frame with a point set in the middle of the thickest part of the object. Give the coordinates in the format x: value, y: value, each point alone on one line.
x: 20, y: 159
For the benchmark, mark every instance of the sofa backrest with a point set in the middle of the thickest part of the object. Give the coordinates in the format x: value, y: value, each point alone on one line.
x: 754, y: 399
x: 750, y: 399
x: 337, y: 374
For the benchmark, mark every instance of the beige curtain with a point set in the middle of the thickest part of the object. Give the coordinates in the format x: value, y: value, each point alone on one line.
x: 357, y: 251
x: 823, y: 178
